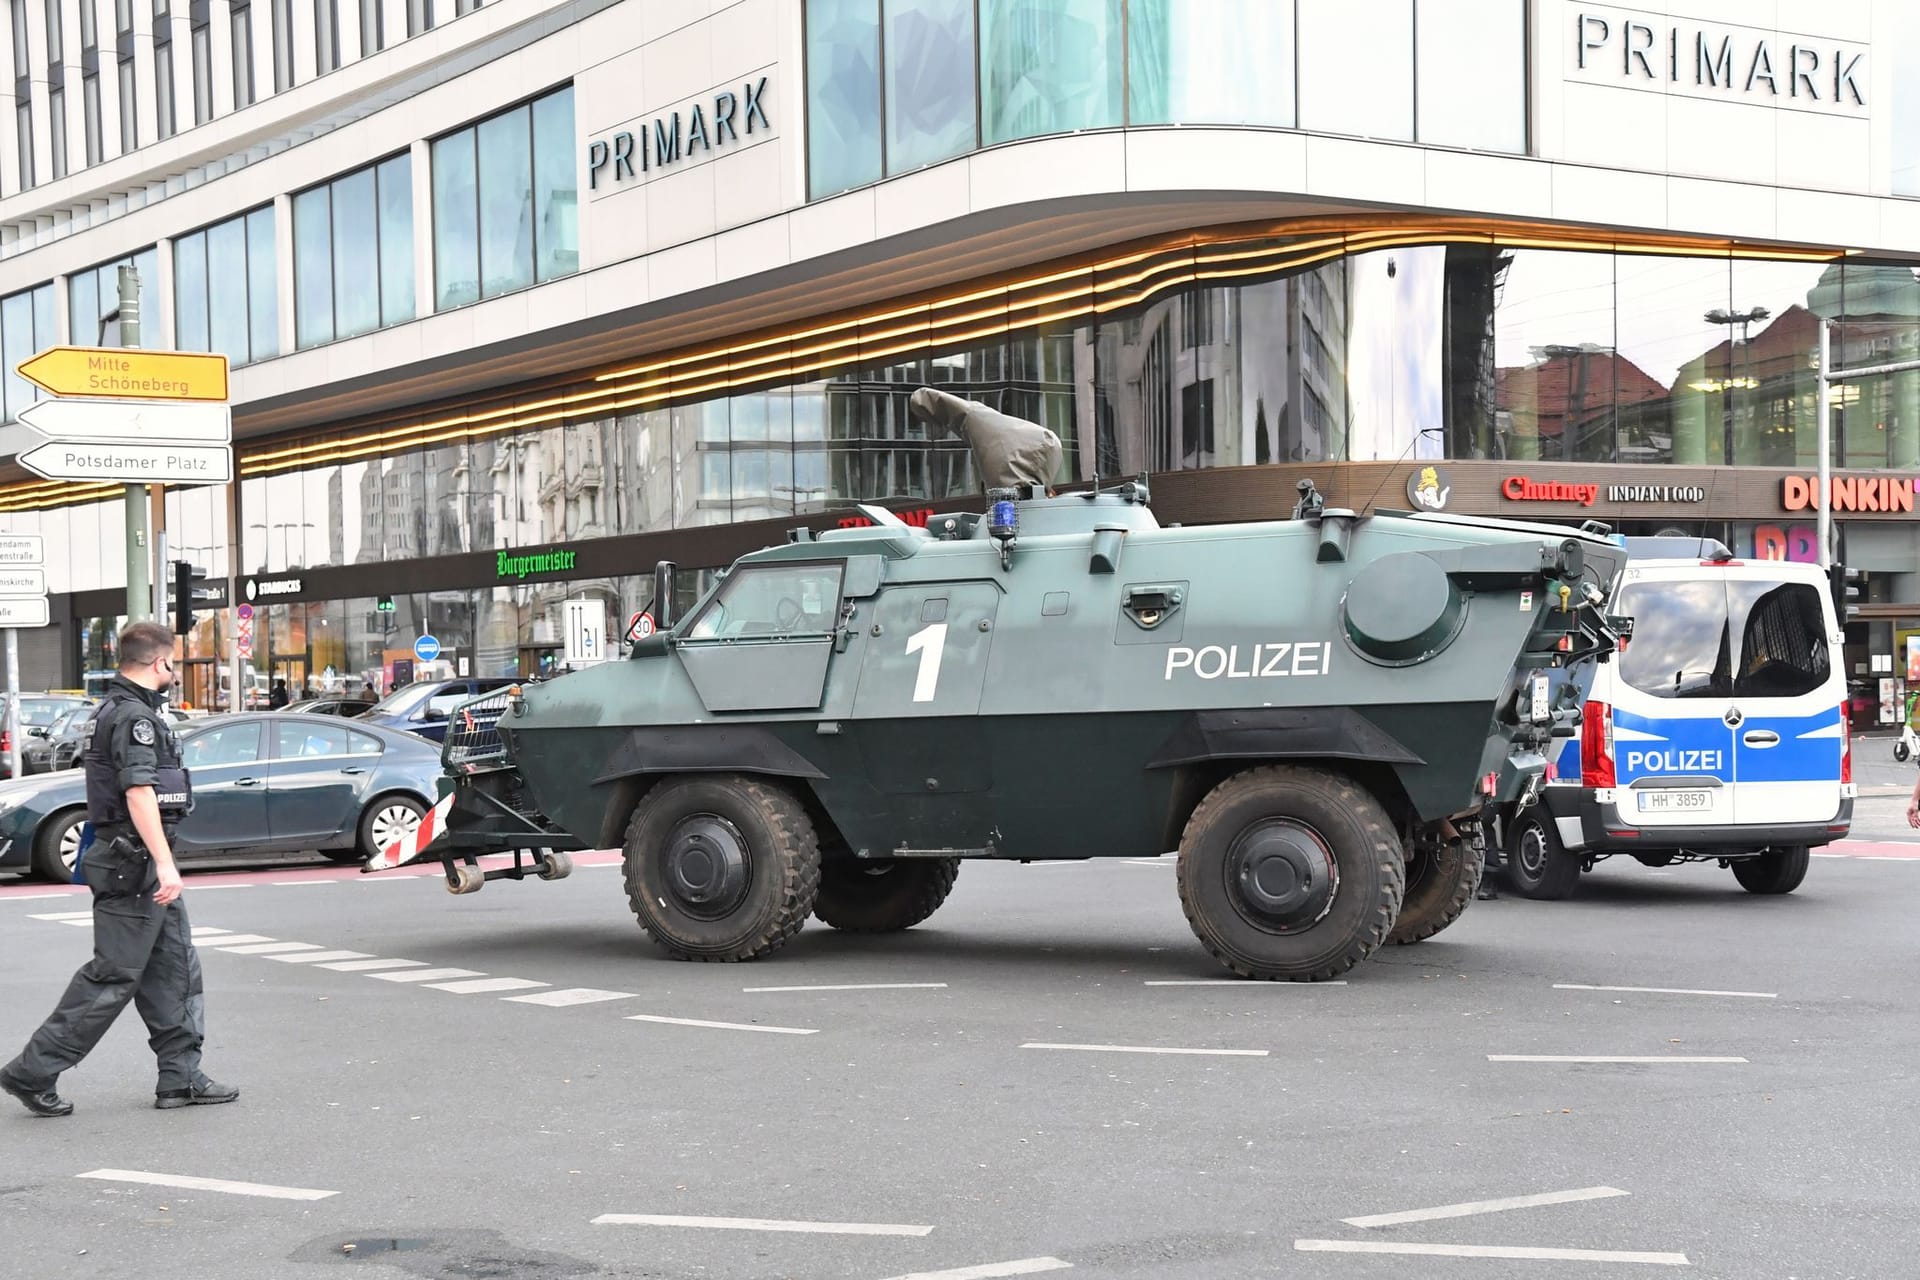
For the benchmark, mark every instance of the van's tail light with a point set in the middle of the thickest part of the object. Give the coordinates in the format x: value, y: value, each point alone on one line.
x: 1596, y: 745
x: 1846, y: 746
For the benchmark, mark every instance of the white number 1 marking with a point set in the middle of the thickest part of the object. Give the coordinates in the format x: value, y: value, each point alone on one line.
x: 929, y: 642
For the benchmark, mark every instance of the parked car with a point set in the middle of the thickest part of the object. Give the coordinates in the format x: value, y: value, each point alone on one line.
x: 37, y: 711
x: 58, y: 745
x: 423, y: 708
x: 266, y: 782
x: 332, y: 705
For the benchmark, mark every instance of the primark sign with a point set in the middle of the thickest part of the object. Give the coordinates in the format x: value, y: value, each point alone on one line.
x: 726, y: 119
x: 1631, y: 49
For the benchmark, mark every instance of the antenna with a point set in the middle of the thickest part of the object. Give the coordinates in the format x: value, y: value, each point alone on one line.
x: 1423, y: 431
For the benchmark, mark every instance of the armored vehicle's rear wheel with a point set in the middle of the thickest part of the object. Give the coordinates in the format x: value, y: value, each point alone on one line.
x: 883, y: 895
x: 1288, y: 872
x: 721, y: 867
x: 1442, y: 878
x: 1538, y: 865
x: 1779, y: 871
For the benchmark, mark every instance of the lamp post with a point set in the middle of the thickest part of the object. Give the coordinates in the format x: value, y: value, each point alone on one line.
x: 1730, y: 318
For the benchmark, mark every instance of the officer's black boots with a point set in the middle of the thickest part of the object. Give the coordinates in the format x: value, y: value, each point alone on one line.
x: 42, y: 1102
x: 204, y: 1094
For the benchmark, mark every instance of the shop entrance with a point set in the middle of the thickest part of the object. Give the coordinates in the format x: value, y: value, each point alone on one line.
x: 294, y: 672
x: 196, y: 684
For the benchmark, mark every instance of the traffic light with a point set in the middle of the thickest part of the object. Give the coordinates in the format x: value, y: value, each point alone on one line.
x: 182, y: 596
x: 384, y: 604
x: 1849, y: 588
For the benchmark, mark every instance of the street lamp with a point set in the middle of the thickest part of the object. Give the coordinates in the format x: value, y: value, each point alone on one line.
x: 1727, y: 386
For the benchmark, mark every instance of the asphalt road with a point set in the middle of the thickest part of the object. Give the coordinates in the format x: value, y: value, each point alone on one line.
x: 473, y: 1133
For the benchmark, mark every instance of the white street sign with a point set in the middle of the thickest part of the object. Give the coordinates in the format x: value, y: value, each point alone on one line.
x: 586, y: 622
x: 187, y: 464
x: 23, y: 582
x: 19, y: 550
x: 24, y: 613
x: 182, y: 421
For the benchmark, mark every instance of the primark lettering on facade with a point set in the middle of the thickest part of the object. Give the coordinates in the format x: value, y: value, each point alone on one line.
x: 1632, y: 49
x: 663, y: 141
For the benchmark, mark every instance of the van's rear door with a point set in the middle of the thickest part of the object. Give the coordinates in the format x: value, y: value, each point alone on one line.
x: 1672, y: 699
x: 1788, y: 688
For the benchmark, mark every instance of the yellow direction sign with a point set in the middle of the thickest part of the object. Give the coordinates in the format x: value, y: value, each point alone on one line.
x: 128, y: 375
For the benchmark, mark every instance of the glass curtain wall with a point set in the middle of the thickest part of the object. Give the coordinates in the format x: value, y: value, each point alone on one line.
x: 505, y: 202
x: 353, y: 253
x: 892, y: 85
x: 26, y: 326
x: 95, y: 292
x: 225, y: 292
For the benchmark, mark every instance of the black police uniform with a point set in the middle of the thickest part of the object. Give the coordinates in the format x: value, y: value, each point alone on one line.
x: 142, y: 951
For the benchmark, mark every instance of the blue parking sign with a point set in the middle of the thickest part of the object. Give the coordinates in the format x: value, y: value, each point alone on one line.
x: 426, y: 649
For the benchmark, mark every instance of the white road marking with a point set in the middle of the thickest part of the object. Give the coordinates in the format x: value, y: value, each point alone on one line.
x: 208, y: 931
x: 426, y: 975
x: 291, y: 884
x: 78, y: 924
x: 1252, y: 984
x: 480, y: 986
x: 1490, y: 1251
x: 314, y: 957
x: 570, y: 996
x: 989, y: 1270
x: 1553, y: 1057
x: 1136, y: 1048
x: 208, y: 888
x: 268, y: 948
x: 208, y: 1184
x: 231, y: 940
x: 37, y: 897
x: 64, y: 915
x: 368, y: 966
x: 859, y: 986
x: 1669, y: 991
x: 724, y: 1026
x: 759, y: 1224
x: 1150, y: 862
x: 1471, y: 1207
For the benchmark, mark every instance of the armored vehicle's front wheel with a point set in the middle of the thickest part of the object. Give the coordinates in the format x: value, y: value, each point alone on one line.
x: 1777, y: 871
x: 1442, y: 878
x: 721, y: 867
x: 883, y: 895
x: 1289, y: 872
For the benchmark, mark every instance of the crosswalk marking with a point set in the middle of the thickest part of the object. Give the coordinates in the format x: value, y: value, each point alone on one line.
x: 269, y: 948
x: 369, y: 966
x: 570, y: 996
x: 482, y: 986
x: 63, y: 915
x: 315, y: 957
x: 232, y: 940
x: 426, y: 975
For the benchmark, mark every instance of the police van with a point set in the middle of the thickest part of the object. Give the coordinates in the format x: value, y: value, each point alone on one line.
x: 1717, y: 734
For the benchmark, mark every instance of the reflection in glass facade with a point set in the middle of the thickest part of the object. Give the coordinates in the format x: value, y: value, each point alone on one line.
x: 95, y: 292
x: 353, y: 253
x: 225, y: 292
x: 896, y: 84
x: 505, y: 197
x: 26, y: 326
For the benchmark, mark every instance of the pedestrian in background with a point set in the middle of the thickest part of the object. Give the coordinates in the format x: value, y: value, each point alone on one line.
x: 137, y: 792
x: 278, y: 698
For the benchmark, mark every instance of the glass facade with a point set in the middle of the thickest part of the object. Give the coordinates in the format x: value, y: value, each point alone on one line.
x: 353, y: 253
x: 896, y: 84
x: 505, y: 197
x: 95, y: 292
x: 225, y: 292
x: 26, y: 326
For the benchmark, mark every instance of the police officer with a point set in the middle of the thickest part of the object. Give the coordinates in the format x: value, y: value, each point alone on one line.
x: 137, y: 792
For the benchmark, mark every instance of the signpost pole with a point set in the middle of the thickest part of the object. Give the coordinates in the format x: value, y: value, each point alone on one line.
x: 1823, y: 436
x: 139, y: 557
x: 13, y: 703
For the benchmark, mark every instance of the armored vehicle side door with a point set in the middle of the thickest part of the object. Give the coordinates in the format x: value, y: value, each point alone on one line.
x: 763, y: 642
x: 916, y: 712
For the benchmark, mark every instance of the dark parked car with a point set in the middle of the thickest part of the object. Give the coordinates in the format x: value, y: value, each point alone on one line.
x: 271, y: 782
x: 37, y: 711
x: 332, y: 705
x: 423, y: 708
x: 57, y: 746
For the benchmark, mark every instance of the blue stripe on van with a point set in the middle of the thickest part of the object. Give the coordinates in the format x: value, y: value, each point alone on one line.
x: 1670, y: 746
x: 1808, y: 750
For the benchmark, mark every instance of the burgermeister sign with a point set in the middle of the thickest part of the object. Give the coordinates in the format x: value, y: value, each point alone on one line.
x: 1722, y: 61
x: 517, y: 566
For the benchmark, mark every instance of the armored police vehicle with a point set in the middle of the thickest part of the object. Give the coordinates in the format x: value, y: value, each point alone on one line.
x: 1718, y: 735
x: 1311, y: 711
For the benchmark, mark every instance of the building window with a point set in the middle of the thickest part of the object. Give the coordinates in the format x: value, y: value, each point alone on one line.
x: 95, y: 292
x: 56, y: 36
x: 1472, y: 78
x: 489, y: 238
x: 929, y: 63
x: 90, y: 107
x: 1049, y: 66
x: 123, y: 56
x: 242, y: 27
x: 200, y: 37
x: 353, y: 253
x: 419, y: 16
x: 26, y: 326
x: 843, y: 95
x: 90, y: 82
x: 461, y: 7
x: 163, y: 121
x: 1235, y: 66
x: 326, y: 36
x: 282, y: 45
x: 224, y: 297
x: 57, y: 130
x: 373, y: 21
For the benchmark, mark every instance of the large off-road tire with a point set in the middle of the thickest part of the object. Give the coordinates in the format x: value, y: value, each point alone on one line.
x: 1289, y: 872
x: 1538, y: 865
x: 1776, y: 871
x: 721, y: 867
x: 883, y: 895
x: 57, y: 843
x: 1442, y: 879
